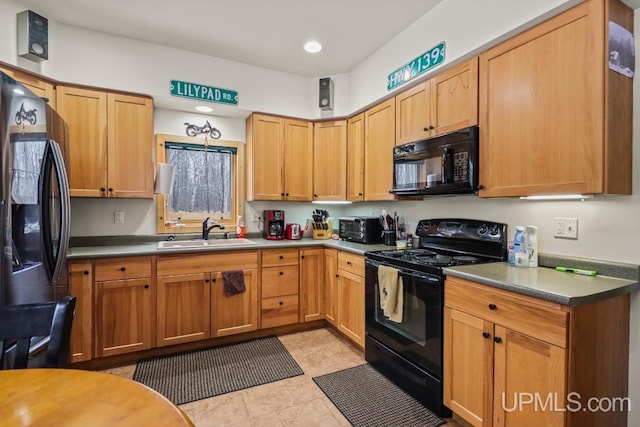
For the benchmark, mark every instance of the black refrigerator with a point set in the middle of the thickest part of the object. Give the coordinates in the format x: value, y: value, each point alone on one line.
x: 34, y: 209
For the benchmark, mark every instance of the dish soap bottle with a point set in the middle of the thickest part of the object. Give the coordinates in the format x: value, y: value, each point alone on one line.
x: 240, y: 228
x: 532, y: 245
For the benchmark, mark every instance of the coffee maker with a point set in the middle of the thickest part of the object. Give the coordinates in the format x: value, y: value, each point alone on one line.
x: 273, y: 225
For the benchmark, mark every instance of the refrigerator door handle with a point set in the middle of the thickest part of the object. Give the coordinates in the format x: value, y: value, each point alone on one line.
x: 65, y: 203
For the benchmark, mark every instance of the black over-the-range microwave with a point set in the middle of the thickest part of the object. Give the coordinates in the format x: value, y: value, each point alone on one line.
x: 443, y: 164
x: 360, y: 229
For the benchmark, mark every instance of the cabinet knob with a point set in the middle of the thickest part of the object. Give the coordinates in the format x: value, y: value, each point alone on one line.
x: 110, y: 189
x: 315, y: 196
x: 337, y: 275
x: 281, y: 273
x: 426, y: 129
x: 360, y: 194
x: 123, y: 268
x: 280, y: 303
x: 486, y: 335
x: 348, y: 262
x: 146, y: 286
x: 102, y: 189
x: 480, y: 187
x: 492, y: 307
x: 86, y: 272
x: 281, y: 256
x: 301, y: 256
x: 497, y: 340
x: 206, y: 280
x: 282, y: 194
x: 286, y: 194
x: 214, y: 280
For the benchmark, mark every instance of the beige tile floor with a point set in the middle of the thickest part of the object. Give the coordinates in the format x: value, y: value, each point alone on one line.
x: 291, y: 402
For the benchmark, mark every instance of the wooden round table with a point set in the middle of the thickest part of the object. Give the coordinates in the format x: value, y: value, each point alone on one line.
x: 70, y: 397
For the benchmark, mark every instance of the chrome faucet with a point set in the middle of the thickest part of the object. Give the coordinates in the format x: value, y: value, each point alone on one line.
x: 206, y: 228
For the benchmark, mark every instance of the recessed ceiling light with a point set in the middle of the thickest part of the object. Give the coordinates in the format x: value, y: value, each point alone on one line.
x: 312, y: 46
x: 204, y: 109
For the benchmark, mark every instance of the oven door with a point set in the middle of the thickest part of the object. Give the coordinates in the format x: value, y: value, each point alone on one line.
x: 418, y: 337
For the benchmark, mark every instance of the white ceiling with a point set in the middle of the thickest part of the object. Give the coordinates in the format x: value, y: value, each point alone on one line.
x: 265, y: 33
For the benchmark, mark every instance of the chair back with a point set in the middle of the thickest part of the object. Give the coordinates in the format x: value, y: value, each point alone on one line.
x: 20, y: 323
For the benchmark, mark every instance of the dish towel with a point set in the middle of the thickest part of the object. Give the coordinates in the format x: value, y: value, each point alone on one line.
x: 233, y: 282
x: 391, y: 293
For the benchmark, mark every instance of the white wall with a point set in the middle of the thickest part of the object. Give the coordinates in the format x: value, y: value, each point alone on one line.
x: 608, y: 225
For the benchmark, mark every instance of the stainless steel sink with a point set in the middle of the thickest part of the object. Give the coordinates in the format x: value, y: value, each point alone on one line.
x: 186, y: 244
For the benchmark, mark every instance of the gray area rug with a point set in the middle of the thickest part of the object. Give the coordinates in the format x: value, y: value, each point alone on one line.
x: 367, y: 398
x: 195, y: 375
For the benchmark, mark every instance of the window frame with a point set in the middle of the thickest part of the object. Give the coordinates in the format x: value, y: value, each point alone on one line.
x: 193, y: 222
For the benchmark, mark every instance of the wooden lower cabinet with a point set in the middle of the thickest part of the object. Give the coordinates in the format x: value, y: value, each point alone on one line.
x: 184, y: 307
x: 311, y: 284
x: 331, y: 286
x: 279, y: 305
x: 123, y: 316
x: 193, y: 306
x: 81, y: 286
x: 350, y: 292
x: 514, y: 360
x: 237, y: 313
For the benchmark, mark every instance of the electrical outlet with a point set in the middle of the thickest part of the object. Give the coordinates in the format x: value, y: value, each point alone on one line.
x: 565, y: 228
x: 255, y: 217
x: 118, y: 217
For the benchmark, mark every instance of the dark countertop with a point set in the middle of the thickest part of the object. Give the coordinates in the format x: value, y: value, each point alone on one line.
x: 545, y: 283
x: 151, y: 248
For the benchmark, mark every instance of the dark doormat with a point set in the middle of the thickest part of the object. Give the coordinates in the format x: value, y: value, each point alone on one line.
x: 195, y: 375
x: 367, y: 398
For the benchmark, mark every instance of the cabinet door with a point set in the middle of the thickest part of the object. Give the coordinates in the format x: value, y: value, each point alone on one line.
x: 379, y: 136
x: 542, y: 127
x: 85, y: 112
x: 311, y: 284
x: 236, y: 313
x: 123, y: 316
x: 355, y: 158
x: 455, y: 98
x: 130, y: 136
x: 331, y: 286
x: 468, y: 367
x: 184, y: 308
x: 42, y: 88
x: 265, y: 158
x: 351, y: 306
x: 330, y: 160
x: 413, y: 114
x: 298, y: 160
x: 525, y: 367
x: 81, y: 286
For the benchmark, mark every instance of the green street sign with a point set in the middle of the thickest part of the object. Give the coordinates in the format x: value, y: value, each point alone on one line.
x: 417, y: 66
x: 204, y: 93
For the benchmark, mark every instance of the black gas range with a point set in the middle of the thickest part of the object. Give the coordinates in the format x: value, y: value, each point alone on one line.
x: 407, y: 346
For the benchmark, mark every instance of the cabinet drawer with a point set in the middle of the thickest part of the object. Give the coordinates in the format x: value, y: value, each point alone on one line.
x: 169, y: 265
x: 278, y: 281
x: 351, y: 262
x: 122, y: 269
x: 279, y: 257
x: 540, y: 319
x: 278, y: 311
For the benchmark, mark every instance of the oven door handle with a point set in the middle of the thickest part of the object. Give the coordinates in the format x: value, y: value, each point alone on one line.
x: 405, y: 273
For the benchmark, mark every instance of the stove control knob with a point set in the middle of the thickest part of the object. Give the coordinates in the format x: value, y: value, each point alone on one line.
x: 482, y: 230
x: 494, y: 230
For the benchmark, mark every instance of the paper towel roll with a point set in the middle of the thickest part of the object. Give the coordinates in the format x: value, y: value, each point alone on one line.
x: 164, y: 178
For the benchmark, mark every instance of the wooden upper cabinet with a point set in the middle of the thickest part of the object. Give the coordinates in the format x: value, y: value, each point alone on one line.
x: 279, y: 158
x: 110, y: 145
x: 85, y: 112
x: 130, y: 136
x: 298, y: 160
x: 413, y: 114
x: 454, y: 98
x: 355, y: 158
x: 38, y: 86
x: 379, y: 136
x: 444, y: 103
x: 330, y: 160
x: 553, y: 118
x: 265, y: 160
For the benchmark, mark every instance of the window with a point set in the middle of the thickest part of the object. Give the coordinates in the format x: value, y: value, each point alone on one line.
x: 208, y: 182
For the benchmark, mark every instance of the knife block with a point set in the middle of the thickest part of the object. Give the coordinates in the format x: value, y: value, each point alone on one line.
x: 323, y: 234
